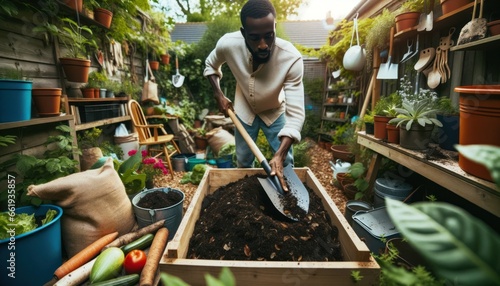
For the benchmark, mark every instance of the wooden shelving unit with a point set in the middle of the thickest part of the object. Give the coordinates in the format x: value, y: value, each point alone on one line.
x: 448, y: 175
x: 72, y: 105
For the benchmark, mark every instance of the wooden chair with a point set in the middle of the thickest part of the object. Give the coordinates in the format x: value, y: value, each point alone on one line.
x: 157, y: 144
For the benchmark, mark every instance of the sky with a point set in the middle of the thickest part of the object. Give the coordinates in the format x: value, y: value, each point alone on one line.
x: 317, y: 9
x: 314, y: 10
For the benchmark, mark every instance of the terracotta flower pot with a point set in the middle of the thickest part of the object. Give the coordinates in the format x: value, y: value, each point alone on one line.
x: 494, y: 27
x: 155, y: 65
x: 103, y: 16
x: 448, y: 6
x: 392, y: 133
x: 88, y: 92
x: 75, y: 6
x: 406, y: 21
x: 47, y: 101
x: 76, y: 70
x: 479, y: 121
x: 97, y: 92
x: 342, y: 152
x: 380, y: 123
x: 165, y: 59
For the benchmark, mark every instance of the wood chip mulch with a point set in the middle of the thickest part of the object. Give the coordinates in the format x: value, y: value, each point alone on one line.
x: 319, y: 165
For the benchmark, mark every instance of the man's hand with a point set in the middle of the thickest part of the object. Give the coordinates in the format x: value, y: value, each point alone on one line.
x: 276, y: 162
x: 223, y: 102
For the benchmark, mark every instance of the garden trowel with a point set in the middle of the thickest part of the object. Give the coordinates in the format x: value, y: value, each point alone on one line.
x: 271, y: 184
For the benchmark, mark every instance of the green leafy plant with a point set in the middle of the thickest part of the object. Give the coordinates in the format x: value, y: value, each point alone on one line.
x: 11, y: 73
x: 71, y: 35
x: 411, y: 6
x: 226, y: 278
x: 387, y: 103
x: 377, y: 38
x: 97, y: 79
x: 419, y: 112
x: 89, y: 138
x: 127, y: 170
x: 445, y: 106
x: 369, y: 117
x: 7, y: 139
x: 56, y: 162
x: 300, y: 156
x: 357, y: 172
x: 343, y: 133
x: 451, y: 240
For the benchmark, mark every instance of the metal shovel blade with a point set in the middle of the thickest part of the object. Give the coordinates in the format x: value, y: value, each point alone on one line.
x: 283, y: 202
x: 388, y: 70
x: 177, y: 79
x: 287, y: 203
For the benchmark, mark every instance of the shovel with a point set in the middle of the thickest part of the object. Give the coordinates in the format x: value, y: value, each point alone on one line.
x: 388, y: 70
x: 271, y: 184
x: 177, y: 79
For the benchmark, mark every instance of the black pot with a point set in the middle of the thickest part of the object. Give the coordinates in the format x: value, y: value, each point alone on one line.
x: 448, y: 134
x: 417, y: 138
x: 369, y: 128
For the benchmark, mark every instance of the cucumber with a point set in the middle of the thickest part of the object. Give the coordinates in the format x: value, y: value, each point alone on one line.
x: 107, y: 265
x: 140, y: 243
x: 126, y: 280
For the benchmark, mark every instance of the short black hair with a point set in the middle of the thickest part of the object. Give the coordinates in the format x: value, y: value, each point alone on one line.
x: 256, y: 9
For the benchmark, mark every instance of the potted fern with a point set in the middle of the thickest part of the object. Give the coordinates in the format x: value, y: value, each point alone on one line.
x: 75, y: 64
x: 416, y: 120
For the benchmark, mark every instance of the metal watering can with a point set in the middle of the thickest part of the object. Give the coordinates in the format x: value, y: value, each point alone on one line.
x: 339, y: 167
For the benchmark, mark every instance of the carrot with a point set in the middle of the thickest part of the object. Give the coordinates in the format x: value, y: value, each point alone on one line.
x: 84, y: 256
x: 77, y: 276
x: 154, y: 256
x: 129, y: 237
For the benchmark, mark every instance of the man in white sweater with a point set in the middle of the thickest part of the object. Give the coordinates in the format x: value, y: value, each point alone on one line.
x: 269, y: 91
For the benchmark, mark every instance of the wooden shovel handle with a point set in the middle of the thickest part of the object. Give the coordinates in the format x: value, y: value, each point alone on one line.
x: 391, y: 42
x: 255, y: 150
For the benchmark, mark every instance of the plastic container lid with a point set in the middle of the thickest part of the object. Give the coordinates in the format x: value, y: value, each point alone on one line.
x: 396, y: 188
x: 376, y: 222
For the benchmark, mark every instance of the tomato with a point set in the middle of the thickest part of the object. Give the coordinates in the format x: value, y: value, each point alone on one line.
x: 135, y: 261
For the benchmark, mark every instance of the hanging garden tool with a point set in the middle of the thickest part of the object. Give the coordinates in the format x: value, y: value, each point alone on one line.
x: 271, y: 184
x: 409, y: 53
x: 177, y: 78
x: 388, y: 70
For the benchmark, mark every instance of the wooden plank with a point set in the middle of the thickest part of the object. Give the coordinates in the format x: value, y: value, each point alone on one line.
x: 98, y: 123
x: 274, y: 273
x: 477, y: 191
x: 355, y: 252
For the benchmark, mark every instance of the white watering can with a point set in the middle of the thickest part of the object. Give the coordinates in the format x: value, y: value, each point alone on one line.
x: 339, y: 167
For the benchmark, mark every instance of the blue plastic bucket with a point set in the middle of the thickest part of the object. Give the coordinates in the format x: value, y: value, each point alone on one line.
x: 15, y: 100
x: 32, y: 257
x: 225, y: 161
x: 172, y: 214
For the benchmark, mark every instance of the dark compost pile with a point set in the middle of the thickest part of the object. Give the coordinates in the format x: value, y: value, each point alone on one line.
x: 238, y: 222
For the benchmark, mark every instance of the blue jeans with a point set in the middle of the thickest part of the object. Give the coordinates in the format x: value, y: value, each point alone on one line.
x: 244, y: 154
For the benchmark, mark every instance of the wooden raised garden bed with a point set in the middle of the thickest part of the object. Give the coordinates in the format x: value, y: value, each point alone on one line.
x: 356, y: 255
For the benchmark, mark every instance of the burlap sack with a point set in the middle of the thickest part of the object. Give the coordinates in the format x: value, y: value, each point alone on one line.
x: 94, y: 204
x: 218, y: 137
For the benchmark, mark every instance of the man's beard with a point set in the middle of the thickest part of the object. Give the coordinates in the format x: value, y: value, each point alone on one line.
x: 261, y: 56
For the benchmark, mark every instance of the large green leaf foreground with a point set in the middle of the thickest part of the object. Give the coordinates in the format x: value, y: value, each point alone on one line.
x: 458, y: 247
